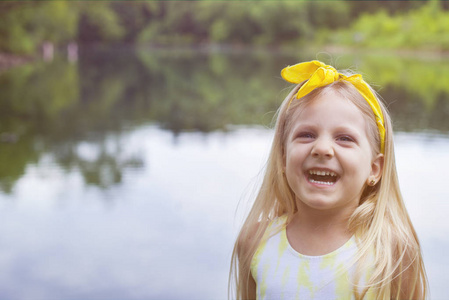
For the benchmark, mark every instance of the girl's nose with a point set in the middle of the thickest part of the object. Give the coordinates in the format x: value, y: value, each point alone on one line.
x: 323, y: 148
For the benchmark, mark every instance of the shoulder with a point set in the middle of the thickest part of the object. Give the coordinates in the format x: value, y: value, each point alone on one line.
x: 247, y: 238
x: 252, y: 233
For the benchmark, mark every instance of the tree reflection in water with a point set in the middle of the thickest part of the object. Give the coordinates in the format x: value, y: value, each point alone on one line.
x: 55, y: 108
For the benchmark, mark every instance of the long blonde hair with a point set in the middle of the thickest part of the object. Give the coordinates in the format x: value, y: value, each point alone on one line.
x: 380, y: 222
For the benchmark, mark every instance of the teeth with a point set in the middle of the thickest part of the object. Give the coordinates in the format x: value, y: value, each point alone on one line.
x: 321, y: 182
x: 322, y: 173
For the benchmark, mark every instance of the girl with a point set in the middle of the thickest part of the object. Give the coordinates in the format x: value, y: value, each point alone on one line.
x: 329, y: 221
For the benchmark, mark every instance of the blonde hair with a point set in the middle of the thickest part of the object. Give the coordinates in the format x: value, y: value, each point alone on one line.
x: 380, y: 222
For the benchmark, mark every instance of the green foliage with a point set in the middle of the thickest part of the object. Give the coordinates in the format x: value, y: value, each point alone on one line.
x: 358, y: 8
x: 133, y: 17
x: 24, y: 26
x: 99, y: 23
x: 55, y: 21
x: 425, y: 80
x: 424, y: 28
x: 173, y: 24
x: 241, y: 22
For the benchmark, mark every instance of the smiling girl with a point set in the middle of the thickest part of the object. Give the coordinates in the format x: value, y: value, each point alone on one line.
x: 329, y: 221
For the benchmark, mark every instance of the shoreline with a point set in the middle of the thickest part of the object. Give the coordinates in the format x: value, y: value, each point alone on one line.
x: 403, y: 52
x: 8, y: 61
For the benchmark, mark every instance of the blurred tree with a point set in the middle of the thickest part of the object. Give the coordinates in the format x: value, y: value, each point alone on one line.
x: 358, y: 8
x: 227, y: 22
x: 284, y: 22
x: 423, y: 28
x: 14, y: 17
x: 55, y: 21
x: 259, y: 22
x: 133, y: 17
x: 174, y: 22
x: 99, y: 23
x: 24, y: 26
x: 328, y: 14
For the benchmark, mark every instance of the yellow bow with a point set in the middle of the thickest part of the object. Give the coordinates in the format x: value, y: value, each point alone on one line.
x: 318, y: 74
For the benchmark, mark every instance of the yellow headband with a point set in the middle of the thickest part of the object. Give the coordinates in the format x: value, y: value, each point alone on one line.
x: 318, y: 74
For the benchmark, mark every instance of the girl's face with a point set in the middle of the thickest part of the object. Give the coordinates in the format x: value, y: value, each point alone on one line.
x: 328, y: 158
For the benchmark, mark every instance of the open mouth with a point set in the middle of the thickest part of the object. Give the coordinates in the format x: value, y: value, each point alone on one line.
x: 322, y: 177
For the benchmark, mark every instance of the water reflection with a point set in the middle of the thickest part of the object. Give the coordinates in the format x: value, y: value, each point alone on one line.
x: 120, y: 174
x: 56, y: 106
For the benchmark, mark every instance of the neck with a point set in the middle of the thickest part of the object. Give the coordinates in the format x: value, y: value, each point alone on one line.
x: 318, y: 232
x: 323, y: 220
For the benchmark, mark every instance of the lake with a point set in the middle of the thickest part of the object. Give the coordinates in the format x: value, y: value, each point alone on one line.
x: 126, y: 174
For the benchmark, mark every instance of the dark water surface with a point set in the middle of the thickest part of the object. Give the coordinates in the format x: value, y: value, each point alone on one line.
x: 120, y: 173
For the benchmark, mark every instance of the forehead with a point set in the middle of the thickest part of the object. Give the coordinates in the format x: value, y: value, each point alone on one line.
x: 330, y: 110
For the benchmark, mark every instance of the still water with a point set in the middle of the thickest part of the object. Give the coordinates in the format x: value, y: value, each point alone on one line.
x: 126, y: 175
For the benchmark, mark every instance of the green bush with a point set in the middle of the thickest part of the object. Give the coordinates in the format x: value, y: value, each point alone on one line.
x: 424, y: 28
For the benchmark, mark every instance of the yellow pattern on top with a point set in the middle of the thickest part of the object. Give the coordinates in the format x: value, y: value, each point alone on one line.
x: 282, y: 273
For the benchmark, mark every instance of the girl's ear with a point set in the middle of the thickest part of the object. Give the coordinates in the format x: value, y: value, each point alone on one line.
x: 376, y: 169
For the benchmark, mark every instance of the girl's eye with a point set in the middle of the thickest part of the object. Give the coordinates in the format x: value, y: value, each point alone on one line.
x: 345, y: 138
x: 305, y: 135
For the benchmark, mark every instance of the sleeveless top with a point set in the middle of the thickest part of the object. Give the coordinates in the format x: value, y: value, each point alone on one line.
x: 280, y: 272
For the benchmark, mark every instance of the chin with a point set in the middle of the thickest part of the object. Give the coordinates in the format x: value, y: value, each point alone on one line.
x: 319, y: 204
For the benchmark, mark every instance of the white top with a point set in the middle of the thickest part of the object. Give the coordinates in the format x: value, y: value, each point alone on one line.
x: 281, y: 272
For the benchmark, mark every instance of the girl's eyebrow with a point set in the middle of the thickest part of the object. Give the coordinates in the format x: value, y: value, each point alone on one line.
x: 304, y: 126
x: 347, y: 128
x: 300, y: 127
x: 310, y: 126
x: 354, y: 133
